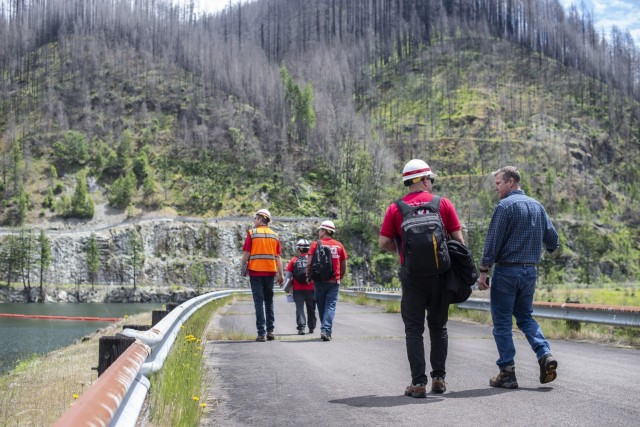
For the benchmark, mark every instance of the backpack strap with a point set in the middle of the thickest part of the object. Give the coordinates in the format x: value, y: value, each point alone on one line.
x: 405, y: 209
x: 434, y: 204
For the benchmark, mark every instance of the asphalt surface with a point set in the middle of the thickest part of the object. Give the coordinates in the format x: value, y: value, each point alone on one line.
x: 358, y: 378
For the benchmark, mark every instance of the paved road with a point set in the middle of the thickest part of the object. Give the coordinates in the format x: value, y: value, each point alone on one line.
x: 358, y: 378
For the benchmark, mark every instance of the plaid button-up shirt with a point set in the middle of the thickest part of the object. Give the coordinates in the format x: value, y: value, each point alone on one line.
x: 519, y: 228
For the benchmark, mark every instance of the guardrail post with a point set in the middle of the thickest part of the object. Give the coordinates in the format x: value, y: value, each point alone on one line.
x: 158, y: 315
x: 573, y: 325
x: 110, y: 348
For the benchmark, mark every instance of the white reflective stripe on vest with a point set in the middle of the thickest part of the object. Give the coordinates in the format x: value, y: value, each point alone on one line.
x: 262, y: 256
x: 264, y: 236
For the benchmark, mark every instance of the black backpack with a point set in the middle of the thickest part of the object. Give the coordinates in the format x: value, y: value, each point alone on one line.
x: 322, y: 264
x: 300, y: 269
x: 424, y: 239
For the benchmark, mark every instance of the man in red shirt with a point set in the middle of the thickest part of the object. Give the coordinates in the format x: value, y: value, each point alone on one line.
x: 421, y: 293
x: 262, y: 260
x: 326, y: 292
x: 296, y: 271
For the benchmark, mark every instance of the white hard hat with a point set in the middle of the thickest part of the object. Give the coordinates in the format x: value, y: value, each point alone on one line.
x: 265, y: 213
x: 415, y: 168
x: 303, y: 243
x: 328, y: 225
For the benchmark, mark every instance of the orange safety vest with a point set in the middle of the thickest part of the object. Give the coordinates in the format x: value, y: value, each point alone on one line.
x: 264, y: 243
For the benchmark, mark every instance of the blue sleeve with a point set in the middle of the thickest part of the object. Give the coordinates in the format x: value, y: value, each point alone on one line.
x: 550, y: 238
x: 495, y: 236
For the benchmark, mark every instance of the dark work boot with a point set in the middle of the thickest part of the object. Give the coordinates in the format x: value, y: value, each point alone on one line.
x: 506, y: 378
x: 548, y: 366
x: 438, y: 385
x: 418, y: 390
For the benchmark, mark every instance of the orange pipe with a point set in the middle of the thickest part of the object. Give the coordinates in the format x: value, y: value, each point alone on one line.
x: 98, y: 405
x: 596, y: 307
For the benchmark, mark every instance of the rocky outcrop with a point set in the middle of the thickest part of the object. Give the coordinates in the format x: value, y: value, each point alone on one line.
x: 192, y: 253
x: 101, y: 294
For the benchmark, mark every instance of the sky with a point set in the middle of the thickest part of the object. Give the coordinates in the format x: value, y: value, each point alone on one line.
x: 625, y: 14
x: 209, y: 5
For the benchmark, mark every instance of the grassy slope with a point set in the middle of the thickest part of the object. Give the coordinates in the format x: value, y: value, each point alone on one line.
x: 39, y: 390
x: 466, y: 110
x: 470, y: 110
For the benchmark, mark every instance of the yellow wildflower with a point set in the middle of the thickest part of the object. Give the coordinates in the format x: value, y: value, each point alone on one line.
x: 75, y: 395
x: 196, y: 398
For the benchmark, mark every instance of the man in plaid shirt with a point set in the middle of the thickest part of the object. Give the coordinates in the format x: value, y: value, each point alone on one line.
x: 518, y: 230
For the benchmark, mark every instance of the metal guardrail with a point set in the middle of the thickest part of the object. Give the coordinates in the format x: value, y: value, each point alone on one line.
x: 97, y: 405
x: 590, y: 313
x: 117, y: 397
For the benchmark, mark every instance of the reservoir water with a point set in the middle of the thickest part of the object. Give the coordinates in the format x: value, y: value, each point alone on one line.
x: 21, y: 338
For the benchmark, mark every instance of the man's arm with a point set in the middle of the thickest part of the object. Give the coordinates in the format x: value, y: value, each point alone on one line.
x: 309, y: 259
x: 550, y: 238
x: 493, y: 241
x: 244, y: 266
x: 245, y: 258
x: 483, y: 282
x: 457, y: 235
x: 387, y: 244
x: 279, y: 269
x: 343, y: 267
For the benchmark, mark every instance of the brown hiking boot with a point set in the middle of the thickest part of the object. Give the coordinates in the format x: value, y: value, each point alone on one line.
x: 270, y: 336
x: 418, y: 390
x: 506, y: 378
x: 438, y: 385
x: 261, y: 338
x: 548, y: 366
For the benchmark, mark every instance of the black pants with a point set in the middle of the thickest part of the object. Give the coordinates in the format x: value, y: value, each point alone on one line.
x: 302, y: 299
x: 420, y: 294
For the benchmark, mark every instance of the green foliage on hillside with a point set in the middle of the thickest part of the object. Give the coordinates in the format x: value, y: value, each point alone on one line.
x: 315, y: 134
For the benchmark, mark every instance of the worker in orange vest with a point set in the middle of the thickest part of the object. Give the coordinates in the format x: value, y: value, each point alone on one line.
x: 261, y: 259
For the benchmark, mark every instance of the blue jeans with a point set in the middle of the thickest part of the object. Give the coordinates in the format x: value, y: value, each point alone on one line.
x: 512, y: 289
x: 262, y: 290
x: 326, y: 294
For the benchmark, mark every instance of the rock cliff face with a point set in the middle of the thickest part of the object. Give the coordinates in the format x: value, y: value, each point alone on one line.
x: 190, y: 253
x: 99, y: 294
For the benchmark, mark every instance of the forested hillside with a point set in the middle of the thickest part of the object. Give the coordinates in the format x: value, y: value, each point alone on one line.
x: 312, y: 108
